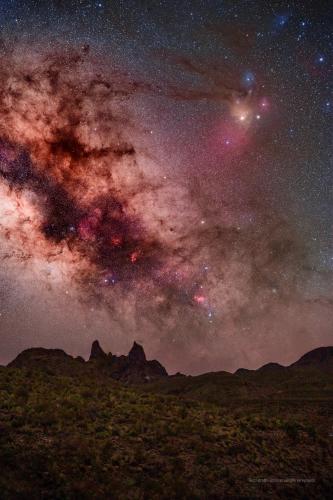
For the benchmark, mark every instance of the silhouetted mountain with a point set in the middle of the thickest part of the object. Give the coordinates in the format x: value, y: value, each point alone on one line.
x: 243, y: 371
x: 52, y: 360
x: 137, y: 354
x: 271, y: 367
x: 96, y: 351
x: 322, y: 357
x: 269, y: 379
x: 70, y: 431
x: 134, y: 368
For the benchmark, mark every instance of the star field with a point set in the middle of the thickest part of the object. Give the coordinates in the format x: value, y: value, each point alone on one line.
x: 166, y: 176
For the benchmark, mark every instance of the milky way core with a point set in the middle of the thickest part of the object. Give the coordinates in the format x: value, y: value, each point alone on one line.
x: 108, y: 232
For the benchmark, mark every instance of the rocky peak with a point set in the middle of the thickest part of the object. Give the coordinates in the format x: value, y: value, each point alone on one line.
x: 322, y: 356
x: 96, y: 351
x: 38, y: 356
x: 137, y: 354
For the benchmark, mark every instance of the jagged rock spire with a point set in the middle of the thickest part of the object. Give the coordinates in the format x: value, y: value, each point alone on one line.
x: 96, y: 351
x: 137, y: 354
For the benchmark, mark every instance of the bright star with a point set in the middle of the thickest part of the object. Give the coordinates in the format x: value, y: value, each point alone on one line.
x: 248, y: 79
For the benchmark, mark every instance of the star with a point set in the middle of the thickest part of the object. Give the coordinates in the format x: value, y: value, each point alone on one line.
x: 248, y: 79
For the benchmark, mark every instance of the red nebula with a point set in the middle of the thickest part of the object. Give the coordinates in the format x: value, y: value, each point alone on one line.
x: 199, y: 299
x: 134, y: 256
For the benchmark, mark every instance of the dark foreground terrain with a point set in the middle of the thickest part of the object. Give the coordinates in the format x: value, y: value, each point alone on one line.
x: 69, y: 430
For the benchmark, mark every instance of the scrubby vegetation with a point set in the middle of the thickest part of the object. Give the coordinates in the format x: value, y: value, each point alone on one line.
x: 88, y: 437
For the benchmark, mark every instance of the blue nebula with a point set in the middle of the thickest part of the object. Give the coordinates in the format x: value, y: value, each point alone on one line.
x: 248, y: 79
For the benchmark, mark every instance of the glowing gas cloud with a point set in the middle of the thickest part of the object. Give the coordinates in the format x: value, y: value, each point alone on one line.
x: 84, y: 213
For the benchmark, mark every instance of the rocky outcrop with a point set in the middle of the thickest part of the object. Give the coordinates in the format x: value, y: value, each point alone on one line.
x: 134, y: 368
x: 97, y: 352
x: 271, y: 367
x: 39, y: 355
x: 322, y: 358
x: 54, y: 361
x: 137, y: 354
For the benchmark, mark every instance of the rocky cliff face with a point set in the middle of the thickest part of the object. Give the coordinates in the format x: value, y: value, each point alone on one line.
x: 97, y: 352
x: 137, y: 354
x: 132, y: 369
x: 50, y: 360
x: 136, y: 369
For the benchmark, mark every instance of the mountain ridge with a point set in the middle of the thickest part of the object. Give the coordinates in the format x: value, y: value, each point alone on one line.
x: 136, y: 369
x: 133, y: 368
x: 69, y: 426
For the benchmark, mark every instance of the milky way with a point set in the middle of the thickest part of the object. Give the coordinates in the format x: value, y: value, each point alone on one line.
x: 102, y: 241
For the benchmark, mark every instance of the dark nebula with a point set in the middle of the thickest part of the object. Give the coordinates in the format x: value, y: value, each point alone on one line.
x: 188, y: 241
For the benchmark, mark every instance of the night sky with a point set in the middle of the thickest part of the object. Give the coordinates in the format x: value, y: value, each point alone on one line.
x: 166, y: 177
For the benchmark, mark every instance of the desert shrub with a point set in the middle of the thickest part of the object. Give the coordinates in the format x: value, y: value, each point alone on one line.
x: 292, y: 430
x: 311, y: 430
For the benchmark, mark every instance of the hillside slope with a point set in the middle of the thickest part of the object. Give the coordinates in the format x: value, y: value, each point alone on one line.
x: 90, y: 437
